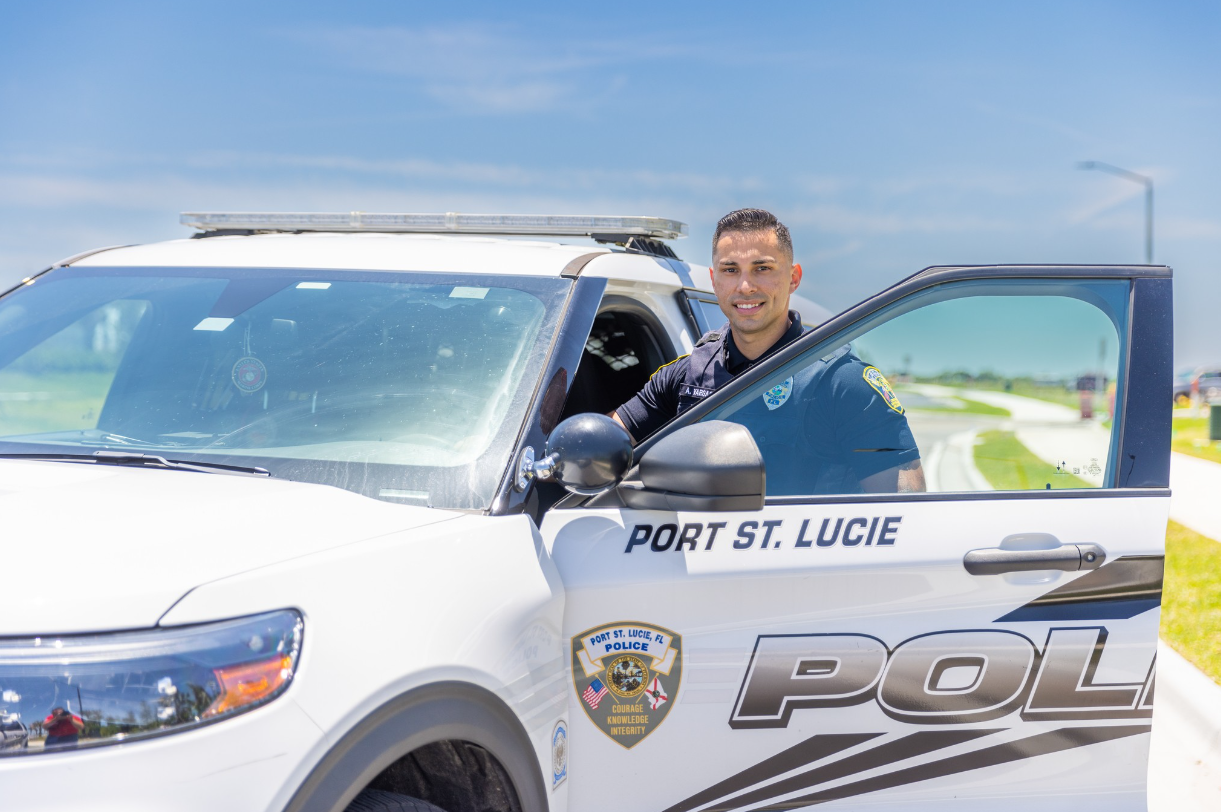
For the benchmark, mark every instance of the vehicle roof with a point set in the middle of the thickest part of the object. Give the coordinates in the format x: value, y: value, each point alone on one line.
x: 389, y: 252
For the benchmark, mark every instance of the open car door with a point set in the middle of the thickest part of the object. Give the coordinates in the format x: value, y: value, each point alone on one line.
x: 788, y: 641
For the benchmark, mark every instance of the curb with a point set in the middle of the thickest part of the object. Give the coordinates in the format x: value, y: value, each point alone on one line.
x: 1189, y: 694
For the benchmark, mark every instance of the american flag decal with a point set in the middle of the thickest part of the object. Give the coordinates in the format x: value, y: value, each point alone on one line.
x: 594, y: 694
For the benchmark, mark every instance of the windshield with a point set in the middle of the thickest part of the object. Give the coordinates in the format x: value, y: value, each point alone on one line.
x: 408, y: 387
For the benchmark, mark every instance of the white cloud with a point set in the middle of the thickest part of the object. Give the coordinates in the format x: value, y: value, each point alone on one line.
x: 838, y: 252
x: 488, y: 68
x: 842, y: 219
x: 386, y: 171
x: 1040, y: 123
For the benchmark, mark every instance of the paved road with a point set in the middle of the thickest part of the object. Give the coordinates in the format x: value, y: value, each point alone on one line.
x: 1052, y: 432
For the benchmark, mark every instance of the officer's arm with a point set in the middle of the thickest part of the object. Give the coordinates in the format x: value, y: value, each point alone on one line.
x: 615, y: 416
x: 905, y: 478
x: 653, y: 405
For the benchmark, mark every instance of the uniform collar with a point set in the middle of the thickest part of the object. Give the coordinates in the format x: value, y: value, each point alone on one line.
x: 736, y: 362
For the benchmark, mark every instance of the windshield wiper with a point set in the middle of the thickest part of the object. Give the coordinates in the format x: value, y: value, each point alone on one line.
x: 133, y: 458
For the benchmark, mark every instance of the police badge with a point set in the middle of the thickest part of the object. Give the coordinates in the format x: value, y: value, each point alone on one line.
x: 618, y: 669
x: 778, y: 394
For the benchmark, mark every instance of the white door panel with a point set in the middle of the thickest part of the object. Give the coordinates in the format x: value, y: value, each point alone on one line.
x: 841, y: 648
x: 723, y: 593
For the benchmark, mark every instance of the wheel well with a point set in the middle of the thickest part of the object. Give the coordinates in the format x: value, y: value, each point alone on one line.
x: 454, y: 775
x: 443, y: 743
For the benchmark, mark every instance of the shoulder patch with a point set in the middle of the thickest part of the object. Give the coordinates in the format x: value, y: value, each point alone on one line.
x: 778, y: 394
x: 878, y: 381
x: 666, y: 364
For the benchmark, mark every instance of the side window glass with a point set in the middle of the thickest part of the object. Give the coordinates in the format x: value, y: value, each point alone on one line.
x: 984, y: 385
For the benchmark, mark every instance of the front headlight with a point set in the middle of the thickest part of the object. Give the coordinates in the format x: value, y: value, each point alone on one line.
x: 77, y: 691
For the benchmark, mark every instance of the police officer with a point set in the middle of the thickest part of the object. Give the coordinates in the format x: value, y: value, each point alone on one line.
x: 834, y: 427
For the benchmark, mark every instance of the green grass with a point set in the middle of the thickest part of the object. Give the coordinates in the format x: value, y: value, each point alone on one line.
x: 1189, y: 435
x: 1051, y: 394
x: 59, y: 401
x: 968, y: 407
x: 1009, y: 466
x: 1191, y: 598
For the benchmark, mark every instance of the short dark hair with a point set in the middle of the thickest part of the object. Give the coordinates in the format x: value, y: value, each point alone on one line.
x: 753, y: 220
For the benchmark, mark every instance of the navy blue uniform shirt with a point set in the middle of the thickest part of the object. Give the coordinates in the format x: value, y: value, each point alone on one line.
x: 660, y: 400
x: 824, y: 430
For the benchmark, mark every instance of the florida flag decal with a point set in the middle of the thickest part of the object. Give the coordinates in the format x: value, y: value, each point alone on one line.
x: 657, y: 694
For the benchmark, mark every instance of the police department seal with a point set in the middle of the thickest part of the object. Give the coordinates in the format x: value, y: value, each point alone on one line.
x: 559, y: 754
x: 618, y: 671
x: 627, y: 675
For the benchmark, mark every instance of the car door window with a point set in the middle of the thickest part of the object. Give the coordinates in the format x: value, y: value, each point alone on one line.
x: 985, y: 385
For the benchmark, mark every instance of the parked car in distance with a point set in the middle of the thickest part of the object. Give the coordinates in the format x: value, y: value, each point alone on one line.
x: 1210, y: 384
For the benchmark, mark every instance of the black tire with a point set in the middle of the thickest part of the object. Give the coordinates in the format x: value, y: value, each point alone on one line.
x: 376, y: 800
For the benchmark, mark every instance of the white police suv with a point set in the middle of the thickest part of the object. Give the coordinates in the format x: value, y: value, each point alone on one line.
x: 322, y: 512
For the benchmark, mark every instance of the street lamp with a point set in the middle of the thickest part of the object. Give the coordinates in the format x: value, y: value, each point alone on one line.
x: 1147, y: 182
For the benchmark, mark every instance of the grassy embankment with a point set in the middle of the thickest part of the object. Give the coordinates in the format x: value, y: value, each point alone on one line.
x: 1191, y: 598
x: 968, y: 407
x: 1026, y: 389
x: 1191, y: 593
x: 1010, y: 466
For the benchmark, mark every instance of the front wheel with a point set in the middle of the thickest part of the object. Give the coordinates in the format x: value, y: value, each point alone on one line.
x: 376, y: 800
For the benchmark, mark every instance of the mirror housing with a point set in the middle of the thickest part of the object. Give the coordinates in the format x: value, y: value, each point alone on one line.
x: 711, y: 466
x: 587, y: 454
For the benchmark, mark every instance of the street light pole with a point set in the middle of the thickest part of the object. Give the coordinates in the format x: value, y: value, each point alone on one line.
x: 1145, y: 181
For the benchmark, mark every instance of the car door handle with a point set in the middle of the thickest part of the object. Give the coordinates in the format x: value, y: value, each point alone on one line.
x: 1066, y: 557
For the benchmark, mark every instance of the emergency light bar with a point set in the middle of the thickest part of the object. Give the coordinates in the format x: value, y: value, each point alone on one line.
x: 552, y: 225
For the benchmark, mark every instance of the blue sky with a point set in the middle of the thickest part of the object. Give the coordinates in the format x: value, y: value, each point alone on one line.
x: 890, y: 136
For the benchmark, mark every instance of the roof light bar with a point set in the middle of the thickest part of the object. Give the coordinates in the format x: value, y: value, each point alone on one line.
x: 552, y: 225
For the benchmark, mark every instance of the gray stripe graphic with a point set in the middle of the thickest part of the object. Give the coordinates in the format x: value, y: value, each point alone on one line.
x: 809, y: 751
x: 916, y: 744
x: 1038, y: 745
x: 1117, y: 591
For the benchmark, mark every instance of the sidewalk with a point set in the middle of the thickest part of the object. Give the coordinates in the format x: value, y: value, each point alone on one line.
x: 1185, y: 754
x: 1196, y: 500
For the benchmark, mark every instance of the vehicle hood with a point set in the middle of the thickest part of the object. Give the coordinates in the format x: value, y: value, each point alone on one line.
x: 89, y: 547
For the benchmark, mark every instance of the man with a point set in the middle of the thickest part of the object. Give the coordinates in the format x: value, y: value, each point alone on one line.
x: 62, y: 727
x: 844, y: 431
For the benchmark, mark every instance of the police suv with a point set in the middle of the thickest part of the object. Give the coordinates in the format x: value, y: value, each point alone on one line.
x: 323, y: 512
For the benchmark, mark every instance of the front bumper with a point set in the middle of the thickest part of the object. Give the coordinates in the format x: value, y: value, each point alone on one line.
x: 237, y: 764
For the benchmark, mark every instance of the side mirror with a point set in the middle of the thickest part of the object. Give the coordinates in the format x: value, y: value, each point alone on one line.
x: 587, y: 454
x: 706, y: 466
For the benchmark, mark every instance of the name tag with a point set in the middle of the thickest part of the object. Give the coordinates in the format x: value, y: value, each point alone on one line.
x: 688, y: 391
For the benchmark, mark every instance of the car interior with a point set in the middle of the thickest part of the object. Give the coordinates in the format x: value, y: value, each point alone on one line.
x: 624, y: 349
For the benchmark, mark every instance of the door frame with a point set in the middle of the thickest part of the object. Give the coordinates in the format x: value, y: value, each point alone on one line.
x: 1143, y: 467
